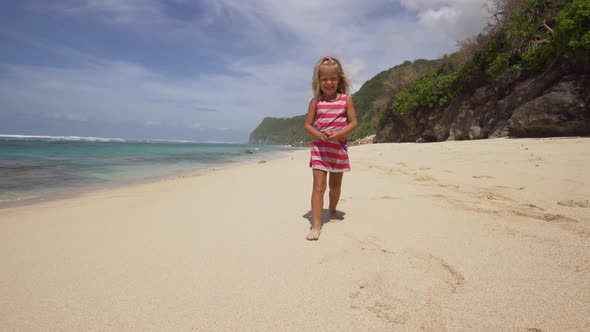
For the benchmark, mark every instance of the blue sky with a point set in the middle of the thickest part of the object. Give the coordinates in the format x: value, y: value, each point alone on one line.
x: 207, y: 70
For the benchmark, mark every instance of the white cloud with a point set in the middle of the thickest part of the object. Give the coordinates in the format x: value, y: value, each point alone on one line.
x: 453, y: 19
x: 123, y: 12
x: 422, y: 5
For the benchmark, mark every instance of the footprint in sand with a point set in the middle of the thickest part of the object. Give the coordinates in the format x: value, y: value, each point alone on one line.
x: 442, y: 185
x: 403, y: 302
x: 427, y: 263
x: 377, y: 249
x: 582, y: 266
x: 572, y: 203
x: 424, y: 178
x: 533, y: 206
x: 492, y: 196
x: 386, y: 197
x: 548, y: 217
x: 391, y: 310
x: 482, y: 177
x: 535, y: 158
x: 387, y: 170
x: 513, y: 188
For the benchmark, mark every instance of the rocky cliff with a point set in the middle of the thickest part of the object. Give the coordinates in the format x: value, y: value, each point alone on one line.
x: 555, y: 103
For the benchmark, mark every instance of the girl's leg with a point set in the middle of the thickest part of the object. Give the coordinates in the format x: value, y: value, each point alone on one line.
x: 317, y: 203
x: 335, y: 188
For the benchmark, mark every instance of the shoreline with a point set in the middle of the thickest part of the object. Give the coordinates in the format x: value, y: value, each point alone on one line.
x: 456, y: 236
x: 69, y: 193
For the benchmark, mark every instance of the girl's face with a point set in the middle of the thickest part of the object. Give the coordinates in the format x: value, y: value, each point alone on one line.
x: 329, y: 80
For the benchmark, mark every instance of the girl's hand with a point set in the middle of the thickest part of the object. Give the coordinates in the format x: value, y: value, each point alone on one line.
x: 334, y: 136
x: 324, y: 136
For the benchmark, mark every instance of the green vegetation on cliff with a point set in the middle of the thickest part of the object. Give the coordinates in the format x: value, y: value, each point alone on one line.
x: 280, y: 131
x: 521, y: 39
x: 377, y: 93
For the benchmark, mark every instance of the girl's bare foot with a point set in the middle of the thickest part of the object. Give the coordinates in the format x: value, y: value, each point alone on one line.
x: 334, y: 216
x: 313, y: 234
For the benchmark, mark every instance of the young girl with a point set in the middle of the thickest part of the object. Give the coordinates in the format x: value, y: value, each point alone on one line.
x: 330, y: 118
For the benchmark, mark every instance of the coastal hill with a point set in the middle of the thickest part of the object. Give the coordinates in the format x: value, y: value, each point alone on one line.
x: 375, y: 94
x: 526, y: 75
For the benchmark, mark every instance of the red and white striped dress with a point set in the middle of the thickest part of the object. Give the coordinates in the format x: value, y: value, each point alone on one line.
x: 330, y: 115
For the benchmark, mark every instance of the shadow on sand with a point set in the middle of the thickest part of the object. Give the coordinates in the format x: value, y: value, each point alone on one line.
x: 326, y: 216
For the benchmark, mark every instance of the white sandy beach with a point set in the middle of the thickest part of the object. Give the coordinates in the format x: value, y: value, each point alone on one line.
x: 490, y: 235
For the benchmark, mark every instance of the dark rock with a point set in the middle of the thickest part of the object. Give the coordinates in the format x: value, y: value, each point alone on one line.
x: 475, y: 132
x: 562, y: 111
x: 554, y: 103
x: 500, y: 132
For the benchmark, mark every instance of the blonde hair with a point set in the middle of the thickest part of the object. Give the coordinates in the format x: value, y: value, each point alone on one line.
x: 343, y: 84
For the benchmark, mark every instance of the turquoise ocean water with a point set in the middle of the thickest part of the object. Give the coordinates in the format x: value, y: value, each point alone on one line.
x: 42, y: 167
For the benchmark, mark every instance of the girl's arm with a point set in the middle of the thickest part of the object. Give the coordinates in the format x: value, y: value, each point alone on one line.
x: 309, y: 123
x: 352, y: 122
